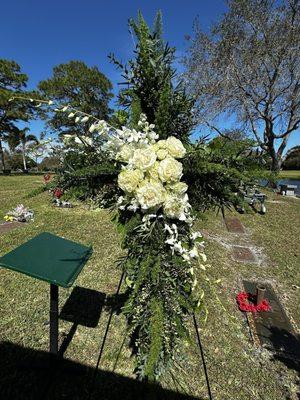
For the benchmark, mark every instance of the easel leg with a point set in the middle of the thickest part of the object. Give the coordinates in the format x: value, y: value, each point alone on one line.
x: 53, y: 319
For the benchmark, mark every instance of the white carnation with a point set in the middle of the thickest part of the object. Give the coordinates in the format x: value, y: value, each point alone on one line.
x: 143, y: 158
x: 128, y: 179
x: 170, y: 170
x: 175, y: 147
x: 150, y: 195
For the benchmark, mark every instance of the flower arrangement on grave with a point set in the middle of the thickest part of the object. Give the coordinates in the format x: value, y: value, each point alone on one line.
x: 57, y: 193
x: 20, y: 214
x: 47, y: 178
x: 247, y: 303
x: 155, y: 218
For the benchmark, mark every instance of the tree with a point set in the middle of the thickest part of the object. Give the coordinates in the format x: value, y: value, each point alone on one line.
x: 81, y: 87
x: 12, y: 82
x: 22, y: 140
x: 248, y: 69
x: 151, y: 83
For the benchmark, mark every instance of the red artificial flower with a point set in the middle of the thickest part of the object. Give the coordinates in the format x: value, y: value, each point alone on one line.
x: 58, y: 193
x: 244, y: 305
x: 47, y: 178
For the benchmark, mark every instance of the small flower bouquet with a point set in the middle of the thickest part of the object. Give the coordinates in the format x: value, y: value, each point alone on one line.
x: 20, y: 214
x: 57, y: 194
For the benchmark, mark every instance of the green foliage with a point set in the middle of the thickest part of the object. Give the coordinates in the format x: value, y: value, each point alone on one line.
x: 84, y: 88
x: 88, y: 175
x: 12, y: 82
x: 292, y: 160
x: 16, y: 162
x: 159, y: 293
x: 151, y: 86
x: 50, y: 163
x: 216, y: 171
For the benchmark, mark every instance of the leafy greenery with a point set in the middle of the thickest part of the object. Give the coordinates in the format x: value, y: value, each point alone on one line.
x: 151, y: 84
x: 88, y: 175
x: 160, y: 293
x: 12, y: 82
x: 216, y: 171
x: 292, y: 159
x: 80, y: 86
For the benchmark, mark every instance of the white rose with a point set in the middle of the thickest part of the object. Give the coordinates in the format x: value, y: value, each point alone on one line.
x: 144, y: 158
x: 175, y: 147
x: 125, y: 153
x: 174, y: 207
x: 162, y: 153
x: 179, y: 188
x: 128, y: 179
x: 170, y: 170
x: 153, y: 171
x: 150, y: 194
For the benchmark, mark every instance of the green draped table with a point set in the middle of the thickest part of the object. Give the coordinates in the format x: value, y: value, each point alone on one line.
x: 52, y: 259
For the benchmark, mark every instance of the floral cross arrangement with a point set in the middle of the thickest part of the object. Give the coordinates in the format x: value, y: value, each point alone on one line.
x: 20, y: 214
x: 155, y: 219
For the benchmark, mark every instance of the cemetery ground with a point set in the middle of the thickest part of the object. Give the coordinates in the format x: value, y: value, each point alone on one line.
x: 237, y: 369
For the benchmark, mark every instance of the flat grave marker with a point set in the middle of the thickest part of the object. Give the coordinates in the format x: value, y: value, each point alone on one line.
x: 243, y: 254
x: 234, y: 225
x: 8, y: 226
x: 272, y: 329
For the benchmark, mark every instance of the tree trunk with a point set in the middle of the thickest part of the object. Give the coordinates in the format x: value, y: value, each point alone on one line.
x: 2, y: 156
x: 24, y: 157
x: 276, y: 163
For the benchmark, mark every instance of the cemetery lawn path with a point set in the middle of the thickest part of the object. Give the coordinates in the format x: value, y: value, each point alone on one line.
x: 237, y: 370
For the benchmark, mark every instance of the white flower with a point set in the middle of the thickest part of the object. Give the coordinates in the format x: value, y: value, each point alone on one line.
x: 162, y: 154
x: 77, y: 119
x: 128, y: 180
x: 174, y: 207
x: 178, y: 247
x: 179, y: 188
x: 71, y: 115
x: 204, y: 258
x: 168, y: 229
x: 50, y: 102
x: 153, y: 171
x: 125, y: 153
x: 92, y: 128
x: 194, y: 253
x: 150, y: 195
x: 195, y: 235
x: 144, y: 159
x: 175, y: 147
x: 65, y: 108
x: 84, y: 119
x: 170, y: 170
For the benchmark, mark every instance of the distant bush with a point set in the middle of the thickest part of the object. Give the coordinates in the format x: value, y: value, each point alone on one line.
x: 15, y: 162
x: 292, y: 160
x: 49, y: 164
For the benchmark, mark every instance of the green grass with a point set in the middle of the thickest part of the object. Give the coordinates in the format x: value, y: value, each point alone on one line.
x: 289, y: 174
x: 237, y: 370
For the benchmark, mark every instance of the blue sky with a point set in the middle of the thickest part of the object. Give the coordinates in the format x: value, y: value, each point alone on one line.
x: 41, y: 34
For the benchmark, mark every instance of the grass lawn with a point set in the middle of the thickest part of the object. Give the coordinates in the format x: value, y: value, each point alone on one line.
x: 237, y: 369
x: 289, y: 174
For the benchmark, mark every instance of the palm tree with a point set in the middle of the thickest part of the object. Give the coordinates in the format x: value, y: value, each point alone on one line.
x: 22, y: 139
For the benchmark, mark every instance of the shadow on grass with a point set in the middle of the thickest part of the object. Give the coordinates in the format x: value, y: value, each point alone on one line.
x: 286, y: 346
x: 27, y: 374
x: 83, y: 307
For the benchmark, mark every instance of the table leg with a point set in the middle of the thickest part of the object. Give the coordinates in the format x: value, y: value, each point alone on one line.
x: 53, y: 319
